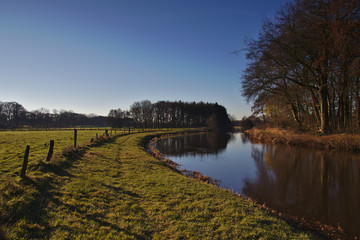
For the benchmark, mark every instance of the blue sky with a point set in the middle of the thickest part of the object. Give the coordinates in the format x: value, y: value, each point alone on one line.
x: 91, y: 56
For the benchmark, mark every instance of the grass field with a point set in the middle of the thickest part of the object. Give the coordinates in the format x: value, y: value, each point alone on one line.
x: 13, y: 144
x: 116, y: 190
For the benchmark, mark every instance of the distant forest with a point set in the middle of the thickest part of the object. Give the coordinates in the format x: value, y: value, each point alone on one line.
x: 13, y: 115
x: 304, y: 68
x: 143, y: 114
x: 172, y: 114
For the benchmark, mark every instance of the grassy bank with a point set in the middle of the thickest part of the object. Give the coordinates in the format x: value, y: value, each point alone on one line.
x: 116, y: 190
x: 13, y: 144
x: 342, y: 142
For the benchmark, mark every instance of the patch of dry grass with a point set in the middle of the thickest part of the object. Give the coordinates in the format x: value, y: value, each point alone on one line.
x: 343, y: 142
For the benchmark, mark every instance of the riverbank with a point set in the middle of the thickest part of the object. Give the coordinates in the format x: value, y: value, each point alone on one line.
x: 340, y: 142
x: 115, y: 190
x: 326, y: 231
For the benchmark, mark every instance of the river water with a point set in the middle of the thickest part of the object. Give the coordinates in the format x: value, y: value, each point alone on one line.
x: 316, y: 185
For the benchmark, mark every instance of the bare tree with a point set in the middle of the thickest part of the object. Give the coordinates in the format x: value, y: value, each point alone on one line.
x: 304, y: 56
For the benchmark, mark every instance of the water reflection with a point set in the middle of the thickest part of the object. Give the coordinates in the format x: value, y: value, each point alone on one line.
x: 318, y: 185
x: 203, y: 144
x: 314, y: 184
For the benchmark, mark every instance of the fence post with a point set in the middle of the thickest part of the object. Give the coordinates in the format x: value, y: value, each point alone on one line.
x: 51, y: 150
x: 106, y: 133
x: 75, y: 137
x: 26, y: 159
x: 97, y: 136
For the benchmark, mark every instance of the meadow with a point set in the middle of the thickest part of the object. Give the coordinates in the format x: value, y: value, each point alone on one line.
x: 13, y: 144
x: 113, y: 189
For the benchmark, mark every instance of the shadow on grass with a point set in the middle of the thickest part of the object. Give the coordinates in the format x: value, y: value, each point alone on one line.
x: 99, y: 220
x: 25, y: 209
x: 24, y: 202
x: 59, y: 169
x: 119, y: 189
x: 74, y: 208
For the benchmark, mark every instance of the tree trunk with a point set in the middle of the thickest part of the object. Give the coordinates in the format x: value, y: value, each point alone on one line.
x: 324, y: 110
x: 315, y: 104
x: 295, y: 116
x: 357, y: 99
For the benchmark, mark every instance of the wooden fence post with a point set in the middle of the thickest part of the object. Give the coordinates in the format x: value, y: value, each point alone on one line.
x: 51, y: 150
x: 106, y: 133
x: 26, y: 159
x: 97, y: 138
x: 75, y: 137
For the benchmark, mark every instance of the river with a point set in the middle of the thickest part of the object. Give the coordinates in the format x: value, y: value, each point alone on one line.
x: 316, y: 185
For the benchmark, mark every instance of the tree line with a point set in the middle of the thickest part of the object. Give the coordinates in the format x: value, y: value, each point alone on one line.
x: 142, y: 114
x: 13, y: 115
x: 171, y: 114
x: 304, y: 68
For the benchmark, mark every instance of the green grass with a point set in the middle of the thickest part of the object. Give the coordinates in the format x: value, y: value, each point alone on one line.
x: 13, y: 144
x: 116, y: 190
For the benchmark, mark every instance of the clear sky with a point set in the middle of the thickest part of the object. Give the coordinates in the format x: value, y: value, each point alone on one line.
x: 91, y: 56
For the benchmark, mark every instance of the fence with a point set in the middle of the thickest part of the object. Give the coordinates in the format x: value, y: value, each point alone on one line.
x: 107, y: 134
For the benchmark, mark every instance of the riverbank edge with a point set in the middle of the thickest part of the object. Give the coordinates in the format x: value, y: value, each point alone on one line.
x: 149, y: 145
x: 337, y: 142
x: 321, y: 230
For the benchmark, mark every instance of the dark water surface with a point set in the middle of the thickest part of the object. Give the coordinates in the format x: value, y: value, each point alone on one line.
x: 318, y: 185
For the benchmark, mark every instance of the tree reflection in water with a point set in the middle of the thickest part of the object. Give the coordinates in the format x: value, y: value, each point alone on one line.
x: 195, y: 144
x: 314, y: 184
x: 317, y: 185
